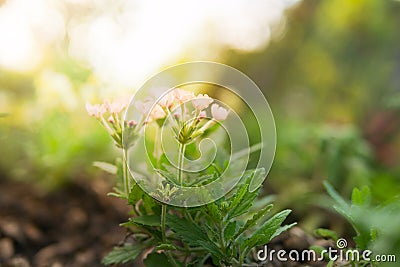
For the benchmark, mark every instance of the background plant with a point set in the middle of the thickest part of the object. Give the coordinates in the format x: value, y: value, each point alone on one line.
x: 372, y: 224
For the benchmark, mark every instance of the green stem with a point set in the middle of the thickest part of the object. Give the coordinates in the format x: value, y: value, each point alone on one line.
x: 181, y: 156
x: 163, y: 216
x: 164, y: 236
x: 126, y: 174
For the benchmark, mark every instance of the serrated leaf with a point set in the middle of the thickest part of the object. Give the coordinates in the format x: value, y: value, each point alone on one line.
x: 105, y: 166
x: 326, y: 233
x: 266, y: 232
x: 240, y: 194
x: 283, y: 229
x: 361, y: 197
x: 211, y: 247
x: 155, y: 259
x: 189, y: 232
x: 213, y: 211
x: 244, y: 206
x: 124, y: 254
x: 230, y: 230
x: 254, y: 220
x: 192, y: 234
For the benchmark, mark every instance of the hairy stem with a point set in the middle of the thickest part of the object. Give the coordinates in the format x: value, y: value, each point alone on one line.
x: 181, y: 156
x: 164, y: 236
x: 163, y: 216
x: 126, y: 174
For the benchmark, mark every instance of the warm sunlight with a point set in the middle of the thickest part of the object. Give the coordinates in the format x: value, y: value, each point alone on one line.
x: 129, y: 41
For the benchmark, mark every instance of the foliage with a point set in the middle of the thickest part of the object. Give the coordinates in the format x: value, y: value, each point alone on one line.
x: 222, y: 232
x: 371, y: 222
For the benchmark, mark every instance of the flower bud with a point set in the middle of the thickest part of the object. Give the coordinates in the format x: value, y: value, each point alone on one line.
x: 132, y: 123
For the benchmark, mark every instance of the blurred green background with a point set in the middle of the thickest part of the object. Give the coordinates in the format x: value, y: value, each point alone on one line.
x: 329, y: 69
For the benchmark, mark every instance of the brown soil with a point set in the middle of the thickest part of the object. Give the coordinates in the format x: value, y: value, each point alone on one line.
x: 75, y: 226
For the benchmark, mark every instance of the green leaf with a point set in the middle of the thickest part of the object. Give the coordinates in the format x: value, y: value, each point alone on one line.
x: 124, y: 254
x: 326, y: 233
x: 105, y: 166
x: 213, y: 211
x: 254, y: 220
x: 283, y: 229
x: 339, y: 200
x: 147, y: 220
x: 230, y: 230
x: 244, y: 206
x: 257, y: 179
x: 156, y: 259
x: 189, y: 232
x: 192, y: 234
x: 266, y: 232
x: 361, y: 197
x: 362, y: 240
x: 239, y: 196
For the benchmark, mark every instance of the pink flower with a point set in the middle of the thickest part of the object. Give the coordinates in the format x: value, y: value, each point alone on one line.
x: 157, y: 112
x: 167, y: 100
x: 183, y: 96
x: 117, y: 105
x: 147, y: 106
x: 201, y: 101
x: 219, y: 113
x: 144, y: 106
x: 95, y: 110
x: 202, y: 115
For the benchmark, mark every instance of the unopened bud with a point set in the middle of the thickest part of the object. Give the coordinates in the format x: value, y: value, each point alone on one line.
x: 111, y: 120
x: 202, y: 115
x: 132, y: 123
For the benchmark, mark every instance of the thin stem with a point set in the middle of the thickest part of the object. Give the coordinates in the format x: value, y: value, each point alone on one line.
x: 126, y: 174
x: 181, y: 155
x: 163, y: 216
x: 156, y: 143
x: 163, y: 233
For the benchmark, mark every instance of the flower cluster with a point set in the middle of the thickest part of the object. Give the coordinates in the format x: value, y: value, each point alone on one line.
x: 109, y: 114
x: 188, y: 120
